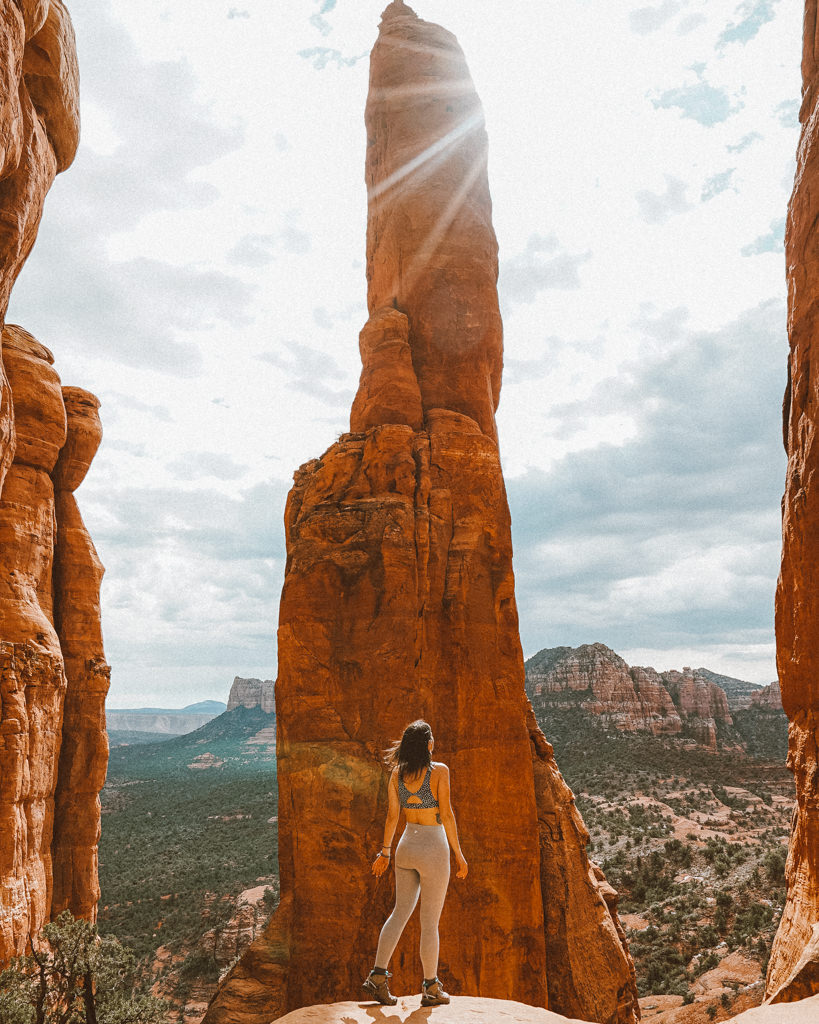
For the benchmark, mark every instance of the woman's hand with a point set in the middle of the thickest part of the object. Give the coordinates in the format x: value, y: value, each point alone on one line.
x: 380, y: 865
x: 463, y: 867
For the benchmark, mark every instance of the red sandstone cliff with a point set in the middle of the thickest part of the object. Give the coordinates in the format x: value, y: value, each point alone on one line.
x: 769, y: 698
x: 84, y: 748
x: 399, y: 602
x: 797, y: 595
x: 600, y: 683
x: 53, y: 677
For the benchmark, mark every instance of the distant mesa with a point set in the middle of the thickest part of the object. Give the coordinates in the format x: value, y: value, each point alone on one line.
x: 689, y: 705
x: 161, y: 721
x: 252, y: 693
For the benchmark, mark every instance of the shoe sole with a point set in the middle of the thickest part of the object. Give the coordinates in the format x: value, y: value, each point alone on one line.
x: 433, y: 1002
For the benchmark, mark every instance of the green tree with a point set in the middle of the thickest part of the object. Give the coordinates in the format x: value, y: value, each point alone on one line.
x: 72, y: 976
x: 774, y: 864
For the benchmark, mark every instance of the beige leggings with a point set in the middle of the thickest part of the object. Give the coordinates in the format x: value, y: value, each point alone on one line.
x: 421, y: 867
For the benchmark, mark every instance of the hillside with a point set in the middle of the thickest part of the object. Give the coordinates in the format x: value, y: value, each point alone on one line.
x: 189, y: 843
x: 695, y: 842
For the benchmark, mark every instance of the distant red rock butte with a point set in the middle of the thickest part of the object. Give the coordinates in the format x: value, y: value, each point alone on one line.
x: 636, y: 699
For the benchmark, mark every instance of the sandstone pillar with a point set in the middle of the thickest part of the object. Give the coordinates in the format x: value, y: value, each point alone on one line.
x: 399, y: 603
x: 39, y: 134
x: 84, y: 752
x: 797, y: 594
x: 33, y: 680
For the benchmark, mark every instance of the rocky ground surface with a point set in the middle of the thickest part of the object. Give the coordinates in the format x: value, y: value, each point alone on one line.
x: 469, y: 1010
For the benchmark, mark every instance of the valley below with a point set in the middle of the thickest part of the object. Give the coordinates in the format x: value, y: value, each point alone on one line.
x: 692, y: 835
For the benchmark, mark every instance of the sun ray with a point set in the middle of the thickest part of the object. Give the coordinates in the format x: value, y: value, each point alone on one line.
x: 434, y: 150
x: 428, y: 248
x: 454, y: 87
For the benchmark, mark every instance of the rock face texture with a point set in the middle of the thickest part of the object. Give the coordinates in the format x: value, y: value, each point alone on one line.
x: 53, y: 746
x: 797, y: 594
x: 738, y: 691
x: 399, y: 603
x: 769, y: 698
x: 232, y: 938
x: 803, y: 980
x: 598, y: 682
x: 252, y: 693
x: 84, y: 750
x: 53, y: 676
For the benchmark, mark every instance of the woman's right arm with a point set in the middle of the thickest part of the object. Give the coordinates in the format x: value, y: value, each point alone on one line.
x: 448, y: 821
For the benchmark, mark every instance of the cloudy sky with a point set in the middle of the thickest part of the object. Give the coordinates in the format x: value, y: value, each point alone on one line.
x: 200, y: 267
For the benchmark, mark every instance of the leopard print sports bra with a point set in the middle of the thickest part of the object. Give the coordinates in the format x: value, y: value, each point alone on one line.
x: 428, y: 801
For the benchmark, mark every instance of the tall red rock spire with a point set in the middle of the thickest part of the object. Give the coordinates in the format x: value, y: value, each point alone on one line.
x: 53, y: 677
x: 399, y: 603
x: 797, y: 595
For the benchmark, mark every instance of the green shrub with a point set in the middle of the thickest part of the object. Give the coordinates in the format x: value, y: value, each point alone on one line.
x: 77, y: 978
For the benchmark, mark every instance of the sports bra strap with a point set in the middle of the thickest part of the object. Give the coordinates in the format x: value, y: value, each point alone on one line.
x: 425, y: 799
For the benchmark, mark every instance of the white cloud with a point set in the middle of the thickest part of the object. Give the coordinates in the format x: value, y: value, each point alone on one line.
x: 700, y: 101
x: 649, y: 19
x: 657, y: 207
x: 753, y: 14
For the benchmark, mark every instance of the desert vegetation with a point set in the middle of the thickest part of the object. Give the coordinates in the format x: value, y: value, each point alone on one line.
x: 695, y: 842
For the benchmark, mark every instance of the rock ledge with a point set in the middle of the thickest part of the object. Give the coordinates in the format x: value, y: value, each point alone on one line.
x: 472, y: 1009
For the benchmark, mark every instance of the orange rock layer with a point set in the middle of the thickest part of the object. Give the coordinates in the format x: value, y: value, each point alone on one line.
x: 53, y: 676
x: 399, y: 602
x: 797, y: 596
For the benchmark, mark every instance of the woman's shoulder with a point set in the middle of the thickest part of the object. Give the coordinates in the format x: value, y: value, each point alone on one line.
x: 438, y: 767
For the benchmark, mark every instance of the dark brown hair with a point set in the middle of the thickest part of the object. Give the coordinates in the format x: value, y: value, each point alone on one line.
x: 411, y: 754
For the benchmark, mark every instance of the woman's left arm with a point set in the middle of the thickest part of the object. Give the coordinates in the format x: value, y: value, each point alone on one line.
x: 393, y: 813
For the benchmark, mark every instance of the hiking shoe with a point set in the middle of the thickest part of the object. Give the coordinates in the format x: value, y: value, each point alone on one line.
x: 376, y: 985
x: 433, y: 995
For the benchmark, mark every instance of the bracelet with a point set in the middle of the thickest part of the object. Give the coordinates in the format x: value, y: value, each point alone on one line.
x: 382, y: 854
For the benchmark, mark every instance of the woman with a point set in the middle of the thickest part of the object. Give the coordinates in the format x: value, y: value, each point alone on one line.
x: 421, y: 857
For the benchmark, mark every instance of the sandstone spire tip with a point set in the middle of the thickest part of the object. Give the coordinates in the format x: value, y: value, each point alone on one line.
x: 396, y: 9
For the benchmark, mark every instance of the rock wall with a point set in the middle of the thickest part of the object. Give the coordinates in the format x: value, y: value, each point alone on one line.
x: 797, y: 594
x: 84, y: 750
x: 600, y: 683
x: 252, y: 693
x: 399, y: 602
x: 738, y: 691
x: 701, y: 703
x: 53, y: 677
x: 769, y: 698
